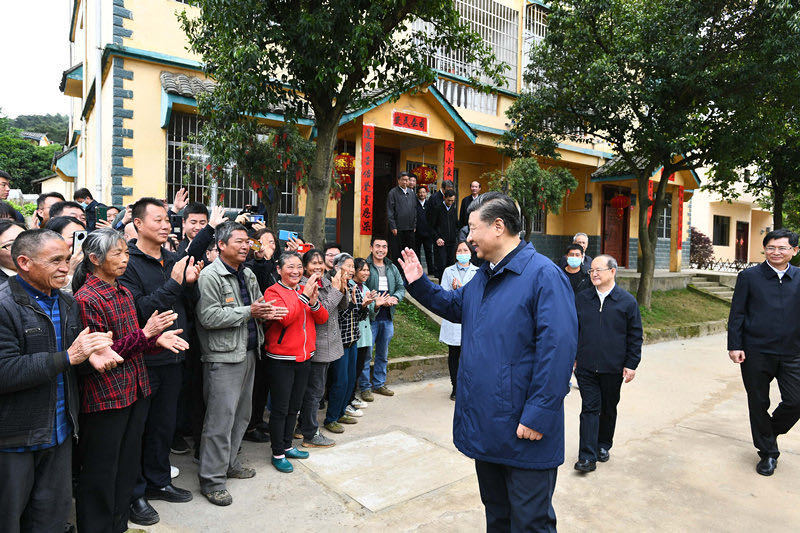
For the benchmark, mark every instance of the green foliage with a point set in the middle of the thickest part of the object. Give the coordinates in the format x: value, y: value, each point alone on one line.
x: 24, y: 161
x: 327, y: 57
x: 666, y: 83
x: 534, y: 188
x: 55, y: 126
x: 414, y: 333
x: 26, y: 209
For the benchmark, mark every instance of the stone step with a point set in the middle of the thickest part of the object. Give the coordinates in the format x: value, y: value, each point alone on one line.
x: 703, y: 284
x: 695, y: 279
x: 719, y: 289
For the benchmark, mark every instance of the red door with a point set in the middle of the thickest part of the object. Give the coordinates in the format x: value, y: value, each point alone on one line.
x: 742, y: 241
x: 615, y: 227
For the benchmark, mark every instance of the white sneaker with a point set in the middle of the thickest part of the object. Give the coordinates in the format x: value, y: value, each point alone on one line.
x: 352, y: 411
x: 358, y: 403
x: 174, y: 472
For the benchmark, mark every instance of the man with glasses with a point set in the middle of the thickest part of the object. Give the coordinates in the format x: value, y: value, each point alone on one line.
x: 764, y: 338
x: 9, y: 230
x: 331, y: 250
x: 609, y: 350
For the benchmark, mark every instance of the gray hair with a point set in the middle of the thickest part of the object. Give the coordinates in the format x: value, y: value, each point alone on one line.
x: 580, y: 235
x: 610, y: 261
x: 339, y: 260
x: 98, y: 243
x: 493, y: 205
x: 224, y: 231
x: 285, y: 256
x: 29, y: 242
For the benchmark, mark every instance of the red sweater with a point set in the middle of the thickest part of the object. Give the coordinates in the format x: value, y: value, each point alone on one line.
x: 294, y: 337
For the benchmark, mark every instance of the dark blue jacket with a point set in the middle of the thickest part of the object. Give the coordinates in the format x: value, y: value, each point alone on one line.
x: 424, y: 229
x: 765, y: 311
x: 518, y: 340
x: 609, y: 339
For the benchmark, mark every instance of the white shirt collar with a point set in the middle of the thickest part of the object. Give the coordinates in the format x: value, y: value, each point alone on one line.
x: 780, y: 273
x: 602, y: 295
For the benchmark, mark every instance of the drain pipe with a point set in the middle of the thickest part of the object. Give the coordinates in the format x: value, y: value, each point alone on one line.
x: 98, y: 106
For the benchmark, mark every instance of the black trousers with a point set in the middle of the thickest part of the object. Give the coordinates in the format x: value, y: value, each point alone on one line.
x: 110, y: 446
x: 162, y: 404
x: 424, y: 244
x: 287, y: 385
x: 364, y: 353
x: 446, y: 256
x: 315, y: 388
x: 758, y: 371
x: 36, y: 489
x: 191, y: 408
x: 516, y: 499
x: 403, y: 239
x: 453, y: 356
x: 599, y: 399
x: 260, y: 393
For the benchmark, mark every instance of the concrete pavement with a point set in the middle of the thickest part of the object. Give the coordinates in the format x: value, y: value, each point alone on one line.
x: 682, y: 461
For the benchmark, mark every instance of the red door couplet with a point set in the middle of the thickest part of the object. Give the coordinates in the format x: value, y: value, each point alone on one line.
x: 367, y: 176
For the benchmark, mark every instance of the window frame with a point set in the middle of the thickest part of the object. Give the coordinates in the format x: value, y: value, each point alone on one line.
x: 719, y: 223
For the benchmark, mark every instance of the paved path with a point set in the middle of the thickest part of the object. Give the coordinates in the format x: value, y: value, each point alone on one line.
x: 682, y: 461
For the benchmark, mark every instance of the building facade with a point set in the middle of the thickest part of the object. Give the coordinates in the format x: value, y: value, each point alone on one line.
x: 134, y: 109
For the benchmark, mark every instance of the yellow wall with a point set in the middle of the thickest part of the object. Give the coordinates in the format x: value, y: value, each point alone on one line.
x: 156, y: 27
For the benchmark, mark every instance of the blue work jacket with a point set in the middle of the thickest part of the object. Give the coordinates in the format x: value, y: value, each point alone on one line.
x: 519, y: 336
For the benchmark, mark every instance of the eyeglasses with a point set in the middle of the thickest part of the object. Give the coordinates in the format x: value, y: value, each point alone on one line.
x: 777, y: 248
x: 593, y: 270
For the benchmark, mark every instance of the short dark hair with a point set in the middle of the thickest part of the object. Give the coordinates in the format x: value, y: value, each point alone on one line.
x: 378, y: 238
x: 119, y: 209
x: 224, y: 231
x: 358, y: 263
x: 194, y: 208
x: 574, y: 246
x: 493, y: 205
x: 331, y: 245
x: 449, y: 193
x: 7, y: 211
x: 30, y: 241
x: 44, y: 196
x: 58, y: 224
x: 781, y: 233
x: 5, y: 224
x: 57, y: 208
x: 6, y: 175
x: 82, y: 193
x: 311, y: 254
x: 139, y: 208
x: 422, y: 186
x: 404, y: 174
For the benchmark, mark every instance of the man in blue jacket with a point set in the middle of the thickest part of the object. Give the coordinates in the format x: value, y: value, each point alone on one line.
x: 519, y: 336
x: 609, y: 350
x: 764, y: 337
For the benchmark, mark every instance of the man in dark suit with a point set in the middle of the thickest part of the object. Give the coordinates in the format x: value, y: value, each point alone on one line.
x: 423, y: 236
x: 463, y: 215
x: 764, y: 337
x: 89, y: 204
x: 444, y: 222
x: 609, y: 350
x: 402, y: 214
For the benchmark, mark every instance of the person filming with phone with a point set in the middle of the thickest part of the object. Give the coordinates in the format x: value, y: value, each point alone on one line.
x: 74, y: 233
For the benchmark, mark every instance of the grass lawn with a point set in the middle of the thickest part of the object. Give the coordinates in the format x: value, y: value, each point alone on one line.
x: 682, y: 306
x: 414, y: 334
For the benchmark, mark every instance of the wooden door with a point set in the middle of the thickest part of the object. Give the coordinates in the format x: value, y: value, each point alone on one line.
x: 742, y: 241
x: 615, y: 226
x: 385, y: 179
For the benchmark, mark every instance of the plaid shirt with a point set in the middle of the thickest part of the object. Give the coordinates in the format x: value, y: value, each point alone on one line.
x: 107, y: 308
x: 352, y: 315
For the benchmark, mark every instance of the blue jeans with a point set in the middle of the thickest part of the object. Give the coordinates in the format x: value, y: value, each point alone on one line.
x: 342, y: 372
x: 382, y: 333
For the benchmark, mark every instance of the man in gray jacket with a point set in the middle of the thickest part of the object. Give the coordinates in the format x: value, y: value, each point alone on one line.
x: 230, y: 311
x: 401, y: 210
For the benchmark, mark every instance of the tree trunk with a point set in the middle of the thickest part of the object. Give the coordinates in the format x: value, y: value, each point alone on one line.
x: 647, y: 242
x: 319, y: 181
x: 272, y: 210
x: 779, y: 196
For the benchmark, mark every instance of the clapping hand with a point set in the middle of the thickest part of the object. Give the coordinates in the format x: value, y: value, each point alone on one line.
x: 338, y: 281
x: 158, y: 322
x: 105, y: 359
x: 381, y: 299
x: 456, y: 284
x: 412, y: 268
x: 171, y: 340
x: 311, y: 290
x: 86, y: 344
x: 193, y: 271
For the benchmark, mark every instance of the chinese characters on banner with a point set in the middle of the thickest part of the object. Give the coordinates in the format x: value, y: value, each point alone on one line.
x: 680, y: 217
x: 367, y: 175
x: 449, y: 160
x: 408, y: 121
x: 650, y: 184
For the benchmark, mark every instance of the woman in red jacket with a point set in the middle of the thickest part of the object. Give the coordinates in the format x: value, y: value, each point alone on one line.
x: 291, y: 342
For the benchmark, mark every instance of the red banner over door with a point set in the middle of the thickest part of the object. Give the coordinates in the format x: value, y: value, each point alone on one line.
x: 367, y: 176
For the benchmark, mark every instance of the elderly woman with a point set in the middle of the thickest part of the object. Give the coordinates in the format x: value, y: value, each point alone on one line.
x: 343, y: 370
x: 114, y: 403
x: 67, y: 227
x: 329, y: 348
x: 291, y: 343
x: 369, y: 299
x: 453, y: 278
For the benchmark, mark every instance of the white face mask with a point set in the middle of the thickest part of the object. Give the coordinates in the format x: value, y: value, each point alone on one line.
x: 574, y: 262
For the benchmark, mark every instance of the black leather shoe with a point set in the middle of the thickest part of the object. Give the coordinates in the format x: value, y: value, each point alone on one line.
x: 585, y: 465
x: 766, y: 466
x: 603, y: 455
x: 170, y: 493
x: 453, y: 395
x: 142, y: 513
x: 256, y: 435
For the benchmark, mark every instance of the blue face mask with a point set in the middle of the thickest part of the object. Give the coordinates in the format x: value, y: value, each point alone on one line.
x: 574, y: 262
x: 463, y: 258
x: 84, y: 204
